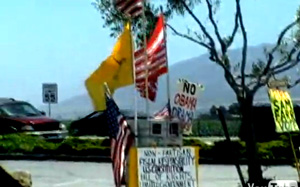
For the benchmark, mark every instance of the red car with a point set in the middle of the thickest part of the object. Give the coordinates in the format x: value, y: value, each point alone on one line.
x: 20, y: 116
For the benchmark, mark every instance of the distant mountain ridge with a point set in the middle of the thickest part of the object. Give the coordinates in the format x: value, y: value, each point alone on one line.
x: 198, y: 69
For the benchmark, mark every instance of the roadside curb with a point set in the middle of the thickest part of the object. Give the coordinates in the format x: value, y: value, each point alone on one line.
x: 42, y: 157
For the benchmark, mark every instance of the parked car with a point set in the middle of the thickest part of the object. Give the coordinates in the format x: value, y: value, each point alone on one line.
x: 92, y: 124
x: 19, y: 116
x: 95, y: 123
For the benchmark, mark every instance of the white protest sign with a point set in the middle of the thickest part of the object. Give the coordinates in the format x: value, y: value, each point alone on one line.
x: 163, y: 167
x: 185, y: 101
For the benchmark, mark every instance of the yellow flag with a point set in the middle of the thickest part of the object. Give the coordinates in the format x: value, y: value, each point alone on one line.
x: 123, y: 54
x: 116, y: 71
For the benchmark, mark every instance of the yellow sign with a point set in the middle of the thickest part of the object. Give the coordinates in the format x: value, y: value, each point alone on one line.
x: 283, y: 111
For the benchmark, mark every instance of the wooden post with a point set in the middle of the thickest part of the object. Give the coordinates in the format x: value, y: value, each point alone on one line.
x: 234, y: 158
x: 295, y: 156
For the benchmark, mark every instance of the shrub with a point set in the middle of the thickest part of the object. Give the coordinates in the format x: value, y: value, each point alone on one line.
x: 214, y: 128
x: 22, y: 144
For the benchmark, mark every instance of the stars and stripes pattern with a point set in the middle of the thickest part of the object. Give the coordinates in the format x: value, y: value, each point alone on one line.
x: 163, y: 113
x: 131, y: 8
x: 121, y: 138
x: 157, y: 62
x: 152, y: 89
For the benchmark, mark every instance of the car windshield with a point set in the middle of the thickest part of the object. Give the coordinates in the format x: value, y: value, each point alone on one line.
x: 20, y: 109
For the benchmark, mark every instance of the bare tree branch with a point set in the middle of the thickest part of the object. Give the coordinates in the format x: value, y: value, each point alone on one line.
x: 188, y: 37
x: 252, y: 82
x: 245, y: 44
x: 216, y: 29
x: 271, y: 57
x: 286, y: 68
x: 284, y: 31
x: 289, y: 64
x: 246, y: 76
x: 281, y: 35
x: 203, y: 29
x: 288, y: 58
x: 236, y: 26
x: 294, y: 84
x: 260, y: 83
x: 229, y: 76
x: 224, y: 62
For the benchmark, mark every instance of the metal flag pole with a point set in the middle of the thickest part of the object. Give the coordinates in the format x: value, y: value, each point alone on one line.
x: 135, y: 91
x: 49, y: 104
x: 106, y: 89
x: 144, y: 24
x: 168, y: 71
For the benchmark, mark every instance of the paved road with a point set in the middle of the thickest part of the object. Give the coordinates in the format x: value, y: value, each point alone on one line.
x: 83, y: 174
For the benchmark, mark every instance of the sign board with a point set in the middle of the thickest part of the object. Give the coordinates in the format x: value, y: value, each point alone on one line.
x: 167, y: 166
x: 283, y: 111
x: 50, y: 93
x: 184, y: 103
x: 278, y: 83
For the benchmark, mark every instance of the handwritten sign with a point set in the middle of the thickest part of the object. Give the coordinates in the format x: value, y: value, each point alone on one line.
x: 184, y: 104
x: 164, y: 167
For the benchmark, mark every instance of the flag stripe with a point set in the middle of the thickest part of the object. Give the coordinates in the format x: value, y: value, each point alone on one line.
x: 158, y: 71
x: 121, y: 139
x: 131, y: 8
x: 156, y: 64
x: 163, y: 113
x: 140, y: 62
x: 139, y: 55
x: 118, y: 157
x: 157, y: 37
x: 160, y: 63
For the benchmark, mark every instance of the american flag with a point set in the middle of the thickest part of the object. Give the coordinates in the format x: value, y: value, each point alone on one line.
x: 121, y: 138
x: 163, y: 113
x: 130, y: 8
x: 157, y: 61
x: 152, y: 88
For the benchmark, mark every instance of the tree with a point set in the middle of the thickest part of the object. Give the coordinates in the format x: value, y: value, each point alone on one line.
x: 224, y: 110
x: 213, y: 111
x: 233, y: 109
x: 244, y: 83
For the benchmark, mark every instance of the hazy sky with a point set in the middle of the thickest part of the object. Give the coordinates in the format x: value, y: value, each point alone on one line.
x: 63, y: 41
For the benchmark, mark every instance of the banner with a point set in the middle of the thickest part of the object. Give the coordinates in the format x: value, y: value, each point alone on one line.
x: 184, y: 104
x: 283, y: 111
x: 162, y: 167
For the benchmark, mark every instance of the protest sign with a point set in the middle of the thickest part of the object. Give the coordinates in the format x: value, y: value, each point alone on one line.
x: 283, y: 111
x: 162, y: 167
x: 184, y: 104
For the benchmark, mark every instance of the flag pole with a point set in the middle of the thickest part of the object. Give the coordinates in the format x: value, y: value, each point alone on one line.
x: 135, y: 92
x: 107, y: 90
x: 146, y: 58
x: 168, y: 71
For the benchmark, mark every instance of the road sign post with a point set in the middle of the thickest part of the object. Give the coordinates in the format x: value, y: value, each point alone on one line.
x: 49, y: 95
